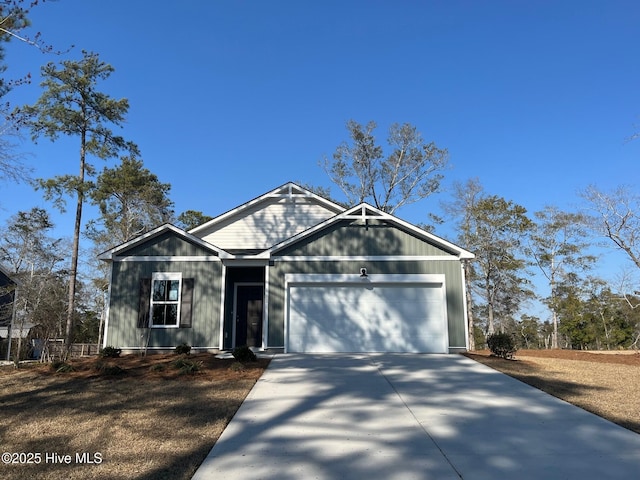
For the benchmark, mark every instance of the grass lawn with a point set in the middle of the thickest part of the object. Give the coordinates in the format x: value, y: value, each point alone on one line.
x: 148, y: 422
x: 606, y: 383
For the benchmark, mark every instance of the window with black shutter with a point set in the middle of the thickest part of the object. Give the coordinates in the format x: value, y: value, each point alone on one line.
x: 165, y: 301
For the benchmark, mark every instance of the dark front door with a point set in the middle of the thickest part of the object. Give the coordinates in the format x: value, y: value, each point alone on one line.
x: 249, y: 300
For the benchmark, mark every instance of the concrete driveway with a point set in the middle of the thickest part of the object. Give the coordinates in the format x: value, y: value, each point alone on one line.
x: 412, y: 417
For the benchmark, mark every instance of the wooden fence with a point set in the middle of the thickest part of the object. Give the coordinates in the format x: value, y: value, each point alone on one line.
x: 55, y: 349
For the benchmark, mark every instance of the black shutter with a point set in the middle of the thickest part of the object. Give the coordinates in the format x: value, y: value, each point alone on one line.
x: 144, y: 303
x: 186, y: 302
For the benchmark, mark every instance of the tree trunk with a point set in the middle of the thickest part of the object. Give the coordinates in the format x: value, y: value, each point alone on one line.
x: 68, y: 339
x: 554, y: 314
x: 554, y: 335
x: 490, y: 327
x: 470, y: 322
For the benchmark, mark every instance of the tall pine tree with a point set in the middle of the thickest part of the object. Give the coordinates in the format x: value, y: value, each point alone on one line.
x: 71, y: 105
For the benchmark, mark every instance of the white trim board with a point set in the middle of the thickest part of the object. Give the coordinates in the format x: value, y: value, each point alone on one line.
x: 168, y: 258
x: 364, y: 258
x: 306, y: 278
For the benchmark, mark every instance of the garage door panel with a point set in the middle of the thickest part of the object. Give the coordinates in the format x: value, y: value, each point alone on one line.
x: 366, y: 318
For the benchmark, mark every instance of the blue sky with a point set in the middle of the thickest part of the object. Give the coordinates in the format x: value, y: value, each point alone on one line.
x: 230, y: 99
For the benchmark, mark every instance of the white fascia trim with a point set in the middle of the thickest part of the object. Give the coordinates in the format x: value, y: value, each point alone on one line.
x: 310, y: 278
x: 112, y: 253
x: 364, y: 258
x: 168, y: 258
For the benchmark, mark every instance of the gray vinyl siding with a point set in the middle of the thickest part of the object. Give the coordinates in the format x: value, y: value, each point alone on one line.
x: 355, y: 238
x: 124, y: 302
x: 373, y: 239
x: 167, y: 244
x: 450, y: 268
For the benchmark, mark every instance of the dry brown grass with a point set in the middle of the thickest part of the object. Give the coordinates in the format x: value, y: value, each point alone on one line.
x: 605, y: 384
x: 151, y: 422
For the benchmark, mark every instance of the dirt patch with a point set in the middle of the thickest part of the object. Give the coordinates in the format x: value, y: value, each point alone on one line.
x: 145, y: 417
x: 607, y: 385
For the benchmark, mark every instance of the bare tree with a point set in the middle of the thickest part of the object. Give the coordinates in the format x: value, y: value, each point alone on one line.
x: 557, y: 247
x: 493, y: 229
x: 410, y: 171
x: 616, y: 215
x: 14, y: 25
x: 12, y: 166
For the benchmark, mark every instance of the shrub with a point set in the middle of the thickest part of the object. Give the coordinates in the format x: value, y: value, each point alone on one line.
x: 110, y: 352
x: 56, y: 364
x: 62, y: 367
x: 108, y: 368
x: 502, y: 345
x: 186, y: 366
x: 244, y: 354
x: 183, y: 349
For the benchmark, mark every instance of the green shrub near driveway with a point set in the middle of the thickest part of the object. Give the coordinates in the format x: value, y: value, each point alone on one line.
x: 502, y: 345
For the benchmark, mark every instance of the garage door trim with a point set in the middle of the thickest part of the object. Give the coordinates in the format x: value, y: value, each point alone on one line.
x: 298, y: 279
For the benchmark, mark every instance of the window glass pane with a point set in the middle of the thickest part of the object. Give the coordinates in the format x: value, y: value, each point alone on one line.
x: 159, y: 288
x: 165, y: 298
x: 174, y: 285
x: 171, y: 317
x: 159, y: 314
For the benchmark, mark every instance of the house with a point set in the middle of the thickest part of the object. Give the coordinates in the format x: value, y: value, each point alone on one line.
x: 292, y: 271
x: 7, y: 296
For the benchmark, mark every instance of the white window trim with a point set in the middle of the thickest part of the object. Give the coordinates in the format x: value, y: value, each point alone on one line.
x: 165, y: 276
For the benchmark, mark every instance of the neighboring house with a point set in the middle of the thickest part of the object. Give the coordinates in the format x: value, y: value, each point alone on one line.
x: 7, y: 296
x: 289, y: 270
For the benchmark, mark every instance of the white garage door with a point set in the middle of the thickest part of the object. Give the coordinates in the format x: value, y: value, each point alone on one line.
x: 329, y: 313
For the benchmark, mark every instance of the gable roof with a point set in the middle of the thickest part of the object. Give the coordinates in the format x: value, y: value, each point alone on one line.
x: 7, y: 274
x: 167, y: 227
x: 364, y: 212
x: 288, y: 190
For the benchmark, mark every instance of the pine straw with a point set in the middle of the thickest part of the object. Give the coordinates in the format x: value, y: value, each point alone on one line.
x: 607, y: 384
x: 148, y: 423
